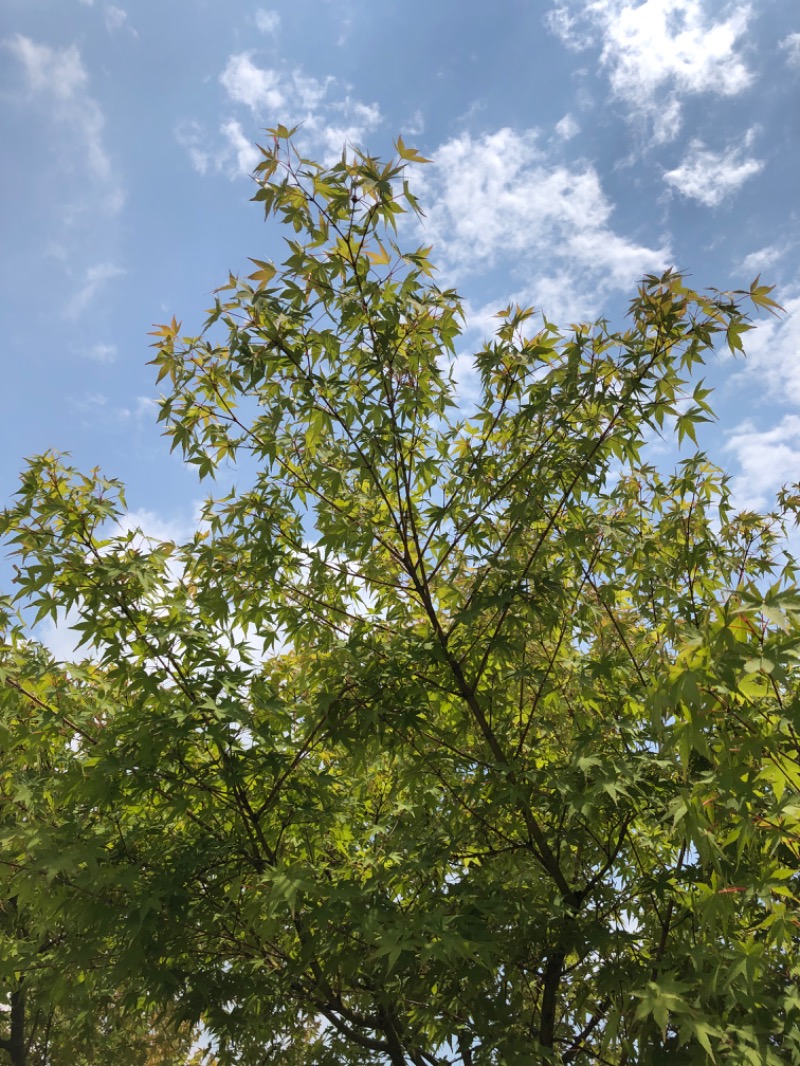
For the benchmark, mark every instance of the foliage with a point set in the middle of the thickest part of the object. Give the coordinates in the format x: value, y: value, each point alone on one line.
x: 457, y: 735
x: 61, y: 1005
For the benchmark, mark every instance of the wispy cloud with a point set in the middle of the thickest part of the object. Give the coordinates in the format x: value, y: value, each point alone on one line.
x: 59, y: 637
x: 567, y: 128
x: 57, y: 77
x: 267, y: 22
x: 324, y: 109
x: 58, y: 72
x: 347, y: 122
x: 117, y: 19
x: 244, y: 151
x: 657, y: 51
x: 268, y: 90
x: 101, y: 353
x: 710, y: 177
x: 773, y: 355
x: 259, y: 88
x: 768, y: 459
x: 94, y: 409
x: 194, y: 138
x: 763, y: 258
x: 157, y: 527
x: 500, y: 200
x: 791, y: 45
x: 95, y: 279
x: 227, y: 152
x: 414, y: 125
x: 291, y: 96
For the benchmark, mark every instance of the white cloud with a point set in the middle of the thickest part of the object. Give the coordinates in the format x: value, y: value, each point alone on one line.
x: 90, y: 401
x: 94, y: 409
x: 191, y: 136
x: 117, y: 19
x: 659, y: 50
x: 773, y: 355
x: 309, y: 91
x: 58, y: 77
x: 499, y: 200
x: 768, y: 459
x: 258, y: 88
x: 274, y: 96
x: 101, y: 353
x: 762, y: 258
x: 567, y: 128
x: 345, y: 26
x: 282, y: 95
x: 791, y: 46
x: 95, y: 279
x: 143, y: 407
x: 708, y: 176
x: 146, y: 407
x: 414, y: 125
x: 58, y: 72
x: 572, y: 29
x: 347, y: 123
x: 268, y: 22
x: 245, y: 152
x: 155, y: 527
x: 234, y: 155
x: 59, y: 637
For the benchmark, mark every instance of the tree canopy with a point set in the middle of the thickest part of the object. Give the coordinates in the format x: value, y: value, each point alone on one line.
x: 459, y: 733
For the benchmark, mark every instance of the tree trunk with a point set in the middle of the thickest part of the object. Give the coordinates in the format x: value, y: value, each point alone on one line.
x: 553, y: 972
x: 15, y: 1045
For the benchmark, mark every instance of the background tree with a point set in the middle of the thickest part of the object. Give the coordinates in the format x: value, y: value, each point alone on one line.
x: 457, y: 735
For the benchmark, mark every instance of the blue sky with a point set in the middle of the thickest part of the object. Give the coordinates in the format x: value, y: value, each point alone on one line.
x: 577, y: 145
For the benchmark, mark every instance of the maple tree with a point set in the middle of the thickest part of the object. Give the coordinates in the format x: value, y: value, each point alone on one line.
x: 460, y: 734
